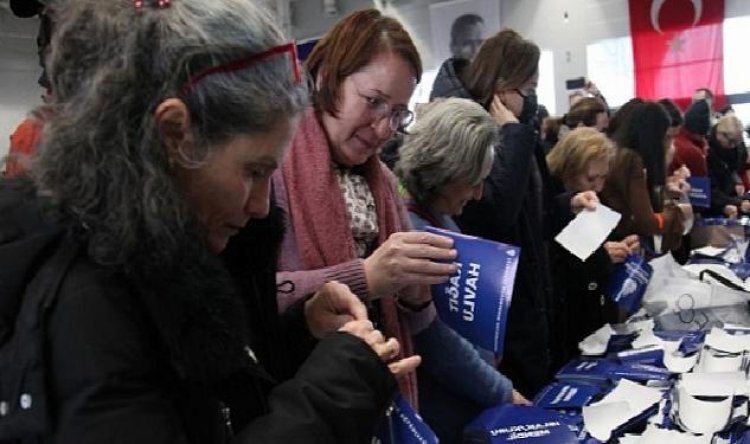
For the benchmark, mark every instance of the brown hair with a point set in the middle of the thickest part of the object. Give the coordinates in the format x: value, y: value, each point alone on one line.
x: 584, y: 112
x: 349, y: 46
x: 504, y: 61
x: 575, y: 150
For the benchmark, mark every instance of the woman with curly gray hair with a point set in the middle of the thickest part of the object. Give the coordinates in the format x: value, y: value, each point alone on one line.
x: 138, y: 256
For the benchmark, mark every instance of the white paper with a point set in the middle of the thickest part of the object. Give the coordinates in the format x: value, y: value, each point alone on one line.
x: 702, y: 416
x: 596, y: 343
x: 654, y: 435
x: 719, y: 339
x: 626, y: 401
x: 710, y: 251
x: 588, y: 231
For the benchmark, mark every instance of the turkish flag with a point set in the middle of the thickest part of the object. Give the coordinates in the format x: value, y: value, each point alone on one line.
x: 677, y: 47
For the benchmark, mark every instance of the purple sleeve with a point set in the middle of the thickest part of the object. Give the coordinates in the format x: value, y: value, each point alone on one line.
x: 294, y: 285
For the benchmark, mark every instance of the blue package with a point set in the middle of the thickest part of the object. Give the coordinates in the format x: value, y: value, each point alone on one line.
x: 475, y: 301
x: 652, y: 355
x: 510, y: 423
x: 600, y: 371
x: 402, y: 425
x: 628, y: 283
x: 567, y: 395
x: 593, y: 371
x: 620, y: 342
x: 700, y: 191
x: 640, y: 372
x: 692, y: 341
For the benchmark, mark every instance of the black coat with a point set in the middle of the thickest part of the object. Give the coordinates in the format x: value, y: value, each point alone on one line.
x: 95, y: 354
x: 517, y: 207
x: 724, y: 169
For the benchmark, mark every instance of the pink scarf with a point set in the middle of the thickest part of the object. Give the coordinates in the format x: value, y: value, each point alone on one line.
x: 321, y: 223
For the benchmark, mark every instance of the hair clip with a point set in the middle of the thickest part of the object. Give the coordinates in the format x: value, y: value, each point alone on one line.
x: 161, y: 4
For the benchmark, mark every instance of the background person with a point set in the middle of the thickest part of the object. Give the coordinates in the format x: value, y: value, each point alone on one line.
x: 467, y: 35
x: 443, y: 163
x: 517, y: 206
x: 581, y: 162
x: 727, y: 166
x: 637, y: 186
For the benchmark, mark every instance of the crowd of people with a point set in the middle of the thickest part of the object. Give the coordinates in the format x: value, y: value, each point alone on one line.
x: 201, y: 243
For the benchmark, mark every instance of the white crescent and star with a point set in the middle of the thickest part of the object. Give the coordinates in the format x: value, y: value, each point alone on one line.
x: 656, y: 6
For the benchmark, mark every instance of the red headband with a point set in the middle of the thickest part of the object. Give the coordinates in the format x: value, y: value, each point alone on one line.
x: 236, y: 65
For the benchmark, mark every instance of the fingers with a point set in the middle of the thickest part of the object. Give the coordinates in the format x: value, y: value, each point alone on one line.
x: 404, y: 366
x: 342, y: 301
x: 423, y: 237
x: 359, y: 329
x: 518, y: 399
x: 387, y: 350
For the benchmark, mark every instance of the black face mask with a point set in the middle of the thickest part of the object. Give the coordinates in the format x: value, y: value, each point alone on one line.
x: 529, y: 112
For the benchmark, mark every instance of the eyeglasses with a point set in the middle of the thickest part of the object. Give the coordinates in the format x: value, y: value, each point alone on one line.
x: 399, y: 117
x: 290, y: 49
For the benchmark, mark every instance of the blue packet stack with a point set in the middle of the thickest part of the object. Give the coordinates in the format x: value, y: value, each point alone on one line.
x: 601, y: 371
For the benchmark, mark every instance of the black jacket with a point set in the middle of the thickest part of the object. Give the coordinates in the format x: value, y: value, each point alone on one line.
x: 94, y: 354
x: 519, y: 208
x: 580, y: 306
x: 724, y: 169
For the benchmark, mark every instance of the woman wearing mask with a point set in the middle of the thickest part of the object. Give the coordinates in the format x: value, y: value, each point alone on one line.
x: 637, y: 185
x: 145, y: 309
x: 581, y: 162
x: 442, y: 165
x: 518, y: 206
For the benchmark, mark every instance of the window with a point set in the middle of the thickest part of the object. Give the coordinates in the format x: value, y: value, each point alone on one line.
x: 610, y: 66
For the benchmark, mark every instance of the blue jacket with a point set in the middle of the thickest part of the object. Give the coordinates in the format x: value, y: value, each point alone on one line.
x: 453, y: 391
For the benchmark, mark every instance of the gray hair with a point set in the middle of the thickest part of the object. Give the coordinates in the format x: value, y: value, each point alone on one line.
x: 453, y: 140
x: 102, y: 159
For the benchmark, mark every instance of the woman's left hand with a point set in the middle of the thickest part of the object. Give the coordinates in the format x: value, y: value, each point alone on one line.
x: 331, y: 307
x: 584, y: 199
x: 518, y: 399
x: 633, y: 242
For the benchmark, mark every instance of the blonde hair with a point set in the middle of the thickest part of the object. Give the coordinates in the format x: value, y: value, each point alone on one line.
x: 576, y: 150
x: 730, y: 124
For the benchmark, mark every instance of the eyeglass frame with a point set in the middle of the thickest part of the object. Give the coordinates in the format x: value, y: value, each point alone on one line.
x: 381, y: 110
x: 289, y: 48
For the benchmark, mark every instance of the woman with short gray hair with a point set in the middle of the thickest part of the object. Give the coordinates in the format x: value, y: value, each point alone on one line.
x: 442, y: 165
x: 445, y: 158
x: 138, y: 256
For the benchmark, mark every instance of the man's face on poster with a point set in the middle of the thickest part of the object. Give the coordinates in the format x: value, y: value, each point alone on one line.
x: 467, y: 41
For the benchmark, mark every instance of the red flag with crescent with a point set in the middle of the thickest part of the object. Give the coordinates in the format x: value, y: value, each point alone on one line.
x: 677, y: 47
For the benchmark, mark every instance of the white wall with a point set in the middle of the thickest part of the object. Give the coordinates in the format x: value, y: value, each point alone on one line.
x: 543, y: 21
x: 19, y: 71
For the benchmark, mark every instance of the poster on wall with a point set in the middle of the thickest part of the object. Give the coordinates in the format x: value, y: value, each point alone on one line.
x: 459, y: 26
